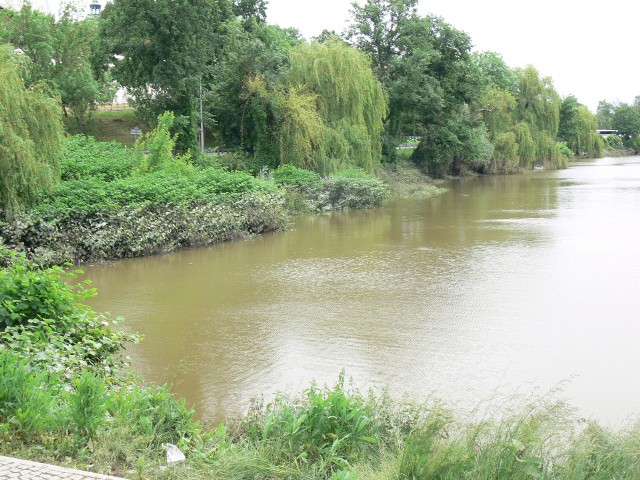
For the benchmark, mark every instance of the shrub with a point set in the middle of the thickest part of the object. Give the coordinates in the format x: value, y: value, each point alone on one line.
x: 88, y: 406
x: 44, y: 321
x: 92, y: 194
x: 564, y: 149
x: 351, y: 189
x: 232, y: 160
x: 614, y: 142
x: 292, y: 176
x: 86, y: 158
x: 28, y: 293
x: 143, y: 229
x: 152, y: 416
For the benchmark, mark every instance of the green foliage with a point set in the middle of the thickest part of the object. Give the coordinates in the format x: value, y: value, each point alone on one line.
x: 604, y: 113
x: 109, y: 208
x: 162, y: 51
x: 350, y: 101
x: 345, y: 189
x: 565, y: 150
x: 325, y: 114
x: 30, y: 138
x: 613, y: 142
x: 577, y: 128
x: 327, y: 427
x: 425, y: 66
x: 539, y: 107
x: 26, y: 405
x: 161, y: 187
x: 626, y: 119
x: 61, y: 53
x: 598, y: 454
x: 292, y: 176
x: 350, y: 189
x: 159, y: 143
x: 28, y: 293
x: 43, y: 319
x: 155, y: 151
x: 88, y: 405
x: 85, y: 158
x: 426, y: 456
x: 124, y: 424
x: 523, y: 122
x: 300, y: 127
x: 150, y: 417
x: 90, y: 234
x: 232, y: 113
x: 494, y: 72
x: 447, y: 147
x: 32, y: 31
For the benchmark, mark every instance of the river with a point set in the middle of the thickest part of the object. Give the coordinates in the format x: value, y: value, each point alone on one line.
x: 503, y: 285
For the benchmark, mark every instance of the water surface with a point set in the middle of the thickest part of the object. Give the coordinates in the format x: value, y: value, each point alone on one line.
x: 504, y: 284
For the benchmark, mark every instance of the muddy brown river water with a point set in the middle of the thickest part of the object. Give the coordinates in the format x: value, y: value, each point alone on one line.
x: 503, y: 285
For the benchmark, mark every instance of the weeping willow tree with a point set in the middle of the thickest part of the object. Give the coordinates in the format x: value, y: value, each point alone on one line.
x: 523, y: 123
x: 287, y: 127
x: 31, y: 137
x: 539, y: 108
x: 349, y: 100
x: 498, y: 110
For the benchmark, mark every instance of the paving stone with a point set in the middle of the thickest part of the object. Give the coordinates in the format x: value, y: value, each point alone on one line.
x: 16, y: 469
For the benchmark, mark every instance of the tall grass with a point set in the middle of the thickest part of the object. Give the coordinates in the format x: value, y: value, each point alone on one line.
x: 323, y: 433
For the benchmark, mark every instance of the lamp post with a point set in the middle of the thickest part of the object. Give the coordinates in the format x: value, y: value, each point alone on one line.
x: 201, y: 121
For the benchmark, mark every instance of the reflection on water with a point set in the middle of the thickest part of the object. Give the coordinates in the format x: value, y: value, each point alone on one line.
x: 501, y: 285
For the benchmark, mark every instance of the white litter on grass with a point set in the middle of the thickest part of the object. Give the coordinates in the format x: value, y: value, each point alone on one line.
x: 174, y: 455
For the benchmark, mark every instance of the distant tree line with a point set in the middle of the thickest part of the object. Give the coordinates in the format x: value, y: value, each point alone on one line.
x: 623, y: 117
x: 340, y: 101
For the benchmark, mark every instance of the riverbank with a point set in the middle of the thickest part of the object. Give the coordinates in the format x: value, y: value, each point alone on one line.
x: 111, y: 205
x: 323, y: 433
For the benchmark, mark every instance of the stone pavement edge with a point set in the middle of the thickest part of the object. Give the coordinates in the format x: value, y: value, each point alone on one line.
x: 16, y: 469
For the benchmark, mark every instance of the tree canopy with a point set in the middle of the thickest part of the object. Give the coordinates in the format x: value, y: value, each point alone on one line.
x: 162, y: 51
x: 61, y: 53
x: 30, y: 137
x: 324, y: 112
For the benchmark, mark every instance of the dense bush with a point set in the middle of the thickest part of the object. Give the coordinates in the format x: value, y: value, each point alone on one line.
x: 292, y: 176
x: 42, y: 318
x: 565, y: 150
x: 92, y: 194
x: 351, y: 189
x: 112, y: 206
x: 86, y: 158
x: 61, y: 388
x: 143, y: 229
x: 614, y: 142
x: 347, y: 189
x: 122, y: 425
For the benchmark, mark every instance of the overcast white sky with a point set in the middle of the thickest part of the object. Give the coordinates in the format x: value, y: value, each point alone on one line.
x: 590, y: 48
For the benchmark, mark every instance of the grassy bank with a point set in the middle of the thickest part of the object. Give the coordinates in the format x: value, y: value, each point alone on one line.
x: 117, y: 202
x: 110, y: 204
x: 322, y: 433
x: 107, y: 126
